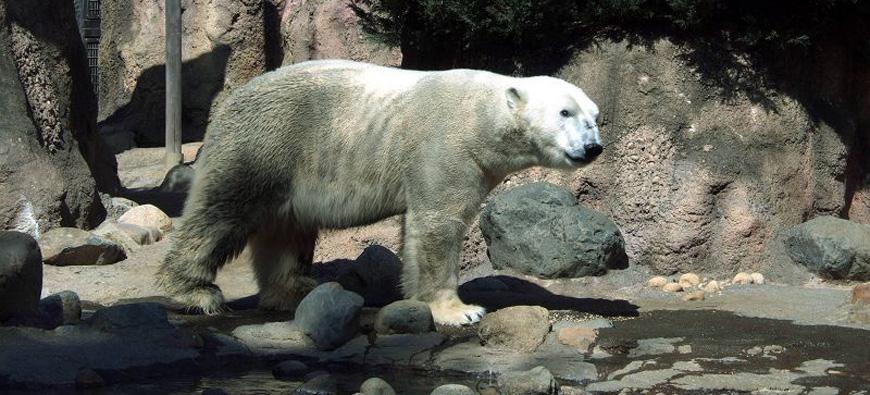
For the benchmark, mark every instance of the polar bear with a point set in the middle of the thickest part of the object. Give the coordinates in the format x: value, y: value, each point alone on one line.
x: 335, y: 144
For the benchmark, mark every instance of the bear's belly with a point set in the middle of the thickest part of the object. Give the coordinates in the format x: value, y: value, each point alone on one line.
x: 339, y: 205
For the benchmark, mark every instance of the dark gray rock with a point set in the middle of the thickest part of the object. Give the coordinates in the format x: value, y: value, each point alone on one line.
x: 519, y: 328
x: 376, y: 386
x: 537, y: 381
x: 20, y: 275
x: 214, y: 391
x: 62, y: 308
x: 404, y: 316
x: 329, y: 315
x: 324, y: 384
x: 147, y: 318
x: 178, y: 179
x: 71, y: 246
x: 453, y: 389
x: 88, y: 378
x: 540, y: 230
x: 290, y: 370
x: 831, y: 247
x: 374, y: 275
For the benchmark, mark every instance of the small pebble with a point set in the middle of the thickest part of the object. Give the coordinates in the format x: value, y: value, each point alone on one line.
x: 743, y: 278
x: 672, y: 287
x: 757, y: 278
x: 694, y: 296
x: 689, y: 280
x: 712, y: 286
x: 657, y: 282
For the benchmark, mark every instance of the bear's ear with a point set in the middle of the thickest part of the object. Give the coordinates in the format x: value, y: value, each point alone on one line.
x: 515, y: 97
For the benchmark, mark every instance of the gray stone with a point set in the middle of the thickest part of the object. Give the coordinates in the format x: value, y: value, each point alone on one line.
x: 88, y: 378
x: 374, y: 275
x: 831, y: 247
x: 329, y: 315
x: 62, y: 308
x: 453, y: 389
x: 20, y: 275
x: 537, y: 381
x: 178, y: 179
x: 276, y: 338
x: 290, y: 370
x: 71, y: 246
x: 133, y: 317
x: 520, y: 328
x: 376, y: 386
x: 404, y: 316
x: 324, y: 384
x: 539, y: 229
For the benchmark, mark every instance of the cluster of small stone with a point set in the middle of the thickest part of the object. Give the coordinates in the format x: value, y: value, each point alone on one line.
x: 696, y: 289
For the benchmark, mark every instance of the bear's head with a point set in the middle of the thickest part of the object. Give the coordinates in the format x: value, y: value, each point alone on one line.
x: 558, y: 120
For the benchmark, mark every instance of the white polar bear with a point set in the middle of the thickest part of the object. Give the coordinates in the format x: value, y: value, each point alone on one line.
x: 335, y: 144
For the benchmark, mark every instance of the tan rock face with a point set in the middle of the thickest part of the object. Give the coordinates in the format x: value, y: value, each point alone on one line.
x: 147, y: 216
x: 581, y: 338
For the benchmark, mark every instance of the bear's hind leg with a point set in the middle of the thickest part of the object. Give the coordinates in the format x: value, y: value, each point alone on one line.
x: 281, y: 259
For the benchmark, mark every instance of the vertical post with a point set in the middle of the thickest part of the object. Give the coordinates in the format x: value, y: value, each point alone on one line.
x: 173, y: 84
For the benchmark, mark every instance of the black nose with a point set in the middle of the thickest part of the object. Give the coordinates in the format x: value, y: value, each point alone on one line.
x: 593, y: 150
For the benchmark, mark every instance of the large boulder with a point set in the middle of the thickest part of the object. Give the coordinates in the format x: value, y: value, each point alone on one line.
x: 831, y: 247
x: 519, y: 328
x: 540, y: 230
x: 20, y: 275
x: 51, y: 158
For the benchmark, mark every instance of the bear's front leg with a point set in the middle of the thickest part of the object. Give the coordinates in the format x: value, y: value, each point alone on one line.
x: 432, y: 245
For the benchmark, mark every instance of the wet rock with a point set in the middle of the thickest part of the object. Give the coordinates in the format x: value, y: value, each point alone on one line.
x: 376, y: 386
x: 374, y: 275
x: 213, y: 391
x: 178, y: 179
x: 20, y: 275
x: 329, y: 315
x: 520, y: 328
x: 657, y: 282
x: 71, y: 246
x: 742, y: 278
x: 133, y: 317
x: 88, y: 378
x: 275, y: 338
x: 147, y: 215
x: 290, y: 370
x: 539, y: 229
x: 831, y: 247
x: 689, y: 280
x: 325, y: 384
x: 62, y: 308
x: 672, y: 287
x: 757, y: 278
x: 581, y: 338
x: 453, y: 389
x: 404, y: 316
x: 694, y: 296
x: 537, y: 381
x: 861, y: 294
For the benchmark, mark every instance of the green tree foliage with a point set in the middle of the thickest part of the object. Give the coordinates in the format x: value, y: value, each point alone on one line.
x: 525, y: 36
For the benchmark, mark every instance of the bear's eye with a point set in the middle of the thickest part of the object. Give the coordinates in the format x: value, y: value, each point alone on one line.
x: 565, y: 113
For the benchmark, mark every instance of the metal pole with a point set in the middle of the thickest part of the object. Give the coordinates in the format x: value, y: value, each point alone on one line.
x: 173, y: 84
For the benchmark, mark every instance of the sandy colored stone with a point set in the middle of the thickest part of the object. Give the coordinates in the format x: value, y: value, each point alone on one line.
x: 519, y: 328
x: 694, y: 296
x: 581, y: 338
x: 712, y: 286
x: 672, y: 287
x: 743, y: 278
x: 689, y: 280
x: 147, y: 215
x: 657, y: 282
x: 757, y: 278
x: 861, y: 294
